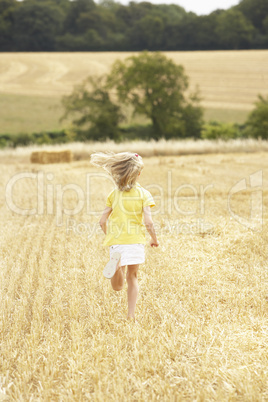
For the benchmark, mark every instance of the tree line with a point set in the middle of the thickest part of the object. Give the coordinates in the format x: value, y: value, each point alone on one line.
x: 83, y: 25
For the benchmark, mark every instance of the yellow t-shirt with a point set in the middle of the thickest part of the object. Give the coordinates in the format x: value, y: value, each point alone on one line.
x: 125, y: 223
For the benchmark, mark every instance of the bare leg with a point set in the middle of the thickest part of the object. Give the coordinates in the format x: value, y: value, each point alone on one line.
x: 132, y: 291
x: 117, y: 281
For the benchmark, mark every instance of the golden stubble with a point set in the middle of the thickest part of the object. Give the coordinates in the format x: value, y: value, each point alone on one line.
x: 201, y: 329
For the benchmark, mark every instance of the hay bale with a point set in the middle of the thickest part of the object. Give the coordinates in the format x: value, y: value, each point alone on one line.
x: 36, y: 157
x: 45, y: 157
x: 57, y: 157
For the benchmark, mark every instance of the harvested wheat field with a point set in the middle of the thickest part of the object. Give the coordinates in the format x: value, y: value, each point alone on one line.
x: 227, y: 79
x: 202, y: 324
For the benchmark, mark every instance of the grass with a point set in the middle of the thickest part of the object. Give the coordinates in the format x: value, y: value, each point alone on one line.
x: 34, y: 113
x: 31, y: 84
x: 29, y: 113
x: 226, y: 115
x: 201, y: 331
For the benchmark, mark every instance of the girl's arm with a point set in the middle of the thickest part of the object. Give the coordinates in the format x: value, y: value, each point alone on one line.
x: 104, y: 218
x: 150, y: 226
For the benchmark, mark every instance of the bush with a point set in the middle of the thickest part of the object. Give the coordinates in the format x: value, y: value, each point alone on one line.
x: 41, y: 138
x: 223, y: 131
x: 62, y: 137
x: 5, y: 140
x: 49, y: 137
x: 136, y: 132
x: 3, y: 143
x: 21, y: 140
x: 52, y: 137
x: 257, y: 123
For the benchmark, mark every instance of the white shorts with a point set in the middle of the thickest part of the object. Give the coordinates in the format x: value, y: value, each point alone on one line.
x: 131, y: 254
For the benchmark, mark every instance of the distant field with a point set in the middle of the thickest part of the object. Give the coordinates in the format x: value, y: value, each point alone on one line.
x: 34, y: 113
x: 31, y: 84
x: 29, y: 113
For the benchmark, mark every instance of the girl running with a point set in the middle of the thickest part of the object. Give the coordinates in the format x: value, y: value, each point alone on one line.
x: 125, y: 208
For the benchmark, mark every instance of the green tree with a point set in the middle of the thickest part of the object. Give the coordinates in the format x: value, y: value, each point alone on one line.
x: 265, y: 25
x: 182, y: 34
x: 234, y: 30
x: 86, y: 25
x: 255, y: 11
x: 96, y: 116
x: 147, y: 33
x: 257, y: 123
x: 204, y: 32
x: 36, y: 25
x: 7, y: 9
x: 155, y: 87
x: 88, y: 41
x: 74, y: 16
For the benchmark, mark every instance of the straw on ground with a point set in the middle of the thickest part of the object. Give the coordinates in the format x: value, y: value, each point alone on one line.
x: 202, y: 307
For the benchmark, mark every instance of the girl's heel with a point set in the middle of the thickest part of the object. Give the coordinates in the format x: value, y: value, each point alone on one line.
x: 111, y: 266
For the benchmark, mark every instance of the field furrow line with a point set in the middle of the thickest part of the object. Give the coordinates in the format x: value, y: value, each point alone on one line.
x: 39, y: 264
x: 10, y: 250
x: 20, y: 267
x: 52, y: 273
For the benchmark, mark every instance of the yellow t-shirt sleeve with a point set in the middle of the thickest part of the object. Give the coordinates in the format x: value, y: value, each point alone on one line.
x: 109, y: 201
x: 148, y: 199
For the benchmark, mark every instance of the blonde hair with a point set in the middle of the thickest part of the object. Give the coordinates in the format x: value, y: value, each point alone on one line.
x: 124, y: 167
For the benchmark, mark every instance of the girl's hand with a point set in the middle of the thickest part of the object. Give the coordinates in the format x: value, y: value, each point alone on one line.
x: 104, y: 218
x: 154, y: 243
